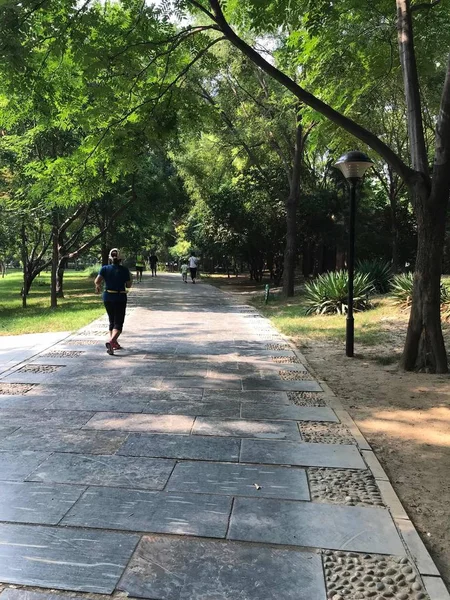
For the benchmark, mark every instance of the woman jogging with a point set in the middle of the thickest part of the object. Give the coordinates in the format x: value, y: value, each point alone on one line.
x: 117, y: 279
x: 193, y: 265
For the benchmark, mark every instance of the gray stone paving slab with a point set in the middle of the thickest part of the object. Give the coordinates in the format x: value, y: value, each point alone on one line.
x: 123, y: 403
x: 295, y: 413
x: 24, y: 594
x: 275, y: 397
x: 69, y: 419
x: 64, y: 440
x: 197, y: 382
x: 254, y: 383
x: 16, y: 466
x: 240, y: 480
x: 105, y: 470
x: 188, y: 447
x: 281, y: 430
x: 24, y: 402
x: 156, y: 512
x: 313, y: 525
x: 301, y: 454
x: 61, y: 558
x: 206, y: 409
x: 36, y: 502
x: 6, y: 431
x: 143, y: 423
x: 215, y: 570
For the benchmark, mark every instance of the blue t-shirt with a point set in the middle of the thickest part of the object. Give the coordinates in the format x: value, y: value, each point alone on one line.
x: 115, y: 277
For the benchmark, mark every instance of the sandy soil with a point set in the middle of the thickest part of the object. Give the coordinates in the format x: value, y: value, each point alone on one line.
x: 406, y: 419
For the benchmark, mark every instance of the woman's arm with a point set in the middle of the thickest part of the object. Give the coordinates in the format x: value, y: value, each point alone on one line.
x: 98, y: 283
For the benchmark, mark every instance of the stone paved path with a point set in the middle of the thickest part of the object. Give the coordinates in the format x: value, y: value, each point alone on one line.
x: 203, y: 462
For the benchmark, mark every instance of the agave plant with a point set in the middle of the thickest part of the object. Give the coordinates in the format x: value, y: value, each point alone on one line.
x: 379, y: 272
x: 402, y: 289
x: 328, y: 293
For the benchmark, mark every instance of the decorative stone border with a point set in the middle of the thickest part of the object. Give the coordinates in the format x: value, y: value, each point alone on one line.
x: 285, y: 360
x: 39, y: 369
x: 326, y: 433
x: 294, y: 375
x: 83, y: 342
x: 278, y: 347
x: 15, y: 389
x: 63, y: 354
x: 93, y: 332
x: 307, y: 398
x: 353, y: 576
x: 344, y: 486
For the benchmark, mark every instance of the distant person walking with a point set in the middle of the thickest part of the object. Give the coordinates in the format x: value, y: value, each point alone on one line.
x: 140, y: 266
x: 117, y: 280
x: 184, y: 271
x: 153, y: 261
x: 193, y: 265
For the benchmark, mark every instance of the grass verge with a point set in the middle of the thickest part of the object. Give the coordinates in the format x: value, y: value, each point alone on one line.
x: 372, y: 327
x: 79, y: 307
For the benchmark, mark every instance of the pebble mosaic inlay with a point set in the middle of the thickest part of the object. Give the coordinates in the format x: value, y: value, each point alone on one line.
x: 354, y: 576
x: 278, y: 347
x: 307, y: 398
x: 294, y: 375
x: 344, y: 486
x: 15, y: 389
x: 83, y: 342
x: 39, y: 369
x: 285, y: 360
x: 64, y: 354
x: 326, y: 433
x: 93, y: 332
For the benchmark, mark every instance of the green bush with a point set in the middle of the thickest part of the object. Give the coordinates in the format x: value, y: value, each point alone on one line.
x: 379, y: 272
x: 93, y: 271
x: 328, y: 293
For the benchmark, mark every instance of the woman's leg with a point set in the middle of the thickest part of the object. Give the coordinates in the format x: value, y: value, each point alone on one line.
x: 119, y: 318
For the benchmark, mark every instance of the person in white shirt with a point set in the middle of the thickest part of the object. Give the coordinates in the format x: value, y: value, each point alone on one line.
x: 193, y: 264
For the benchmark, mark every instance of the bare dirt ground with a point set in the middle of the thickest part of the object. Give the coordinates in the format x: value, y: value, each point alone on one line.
x: 406, y: 419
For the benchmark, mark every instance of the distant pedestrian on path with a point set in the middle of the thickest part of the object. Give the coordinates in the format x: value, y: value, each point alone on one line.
x: 140, y: 266
x: 153, y: 261
x: 184, y: 271
x: 193, y: 265
x: 117, y: 279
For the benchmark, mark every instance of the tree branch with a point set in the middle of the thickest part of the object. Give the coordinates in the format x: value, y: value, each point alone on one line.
x: 424, y: 5
x: 366, y: 136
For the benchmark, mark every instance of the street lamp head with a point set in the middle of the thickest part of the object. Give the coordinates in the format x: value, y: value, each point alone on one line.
x: 354, y: 164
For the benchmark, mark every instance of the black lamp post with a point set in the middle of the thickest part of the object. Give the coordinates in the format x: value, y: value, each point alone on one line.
x: 353, y: 165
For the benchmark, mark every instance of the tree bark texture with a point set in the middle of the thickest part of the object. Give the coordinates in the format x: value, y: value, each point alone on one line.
x: 55, y: 252
x: 290, y: 251
x: 424, y: 346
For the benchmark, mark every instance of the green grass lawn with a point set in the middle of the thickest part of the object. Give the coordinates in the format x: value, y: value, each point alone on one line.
x: 371, y: 327
x: 80, y: 305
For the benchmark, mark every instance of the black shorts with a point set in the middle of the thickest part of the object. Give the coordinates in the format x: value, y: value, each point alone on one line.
x: 193, y: 271
x: 116, y: 313
x: 139, y: 269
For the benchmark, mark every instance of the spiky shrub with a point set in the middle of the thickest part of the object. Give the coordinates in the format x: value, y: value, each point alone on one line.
x: 379, y: 272
x: 328, y: 293
x: 402, y: 289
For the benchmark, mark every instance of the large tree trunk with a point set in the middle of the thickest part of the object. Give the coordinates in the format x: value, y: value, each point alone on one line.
x: 60, y: 277
x: 55, y: 253
x: 424, y: 347
x: 24, y: 292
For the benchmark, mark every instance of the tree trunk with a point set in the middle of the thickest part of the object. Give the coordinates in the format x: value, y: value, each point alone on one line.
x: 24, y: 264
x: 424, y: 347
x: 104, y: 250
x: 55, y: 253
x: 395, y: 236
x: 290, y: 251
x: 60, y: 277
